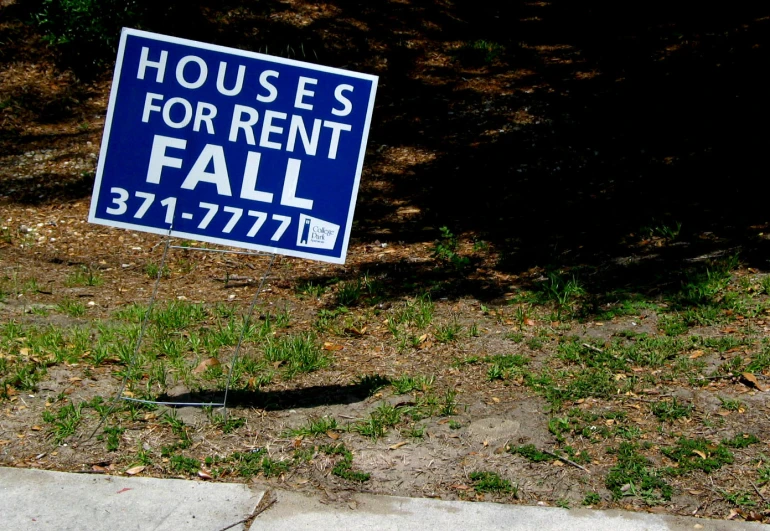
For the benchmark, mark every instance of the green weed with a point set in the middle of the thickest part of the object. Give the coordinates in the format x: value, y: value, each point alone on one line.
x: 184, y: 465
x: 530, y: 451
x: 633, y: 476
x: 697, y: 454
x: 315, y: 427
x: 668, y: 410
x: 299, y: 353
x: 491, y: 482
x: 71, y: 307
x: 741, y: 440
x: 344, y: 467
x: 445, y: 250
x: 64, y: 422
x: 85, y: 276
x: 448, y: 333
x: 407, y: 384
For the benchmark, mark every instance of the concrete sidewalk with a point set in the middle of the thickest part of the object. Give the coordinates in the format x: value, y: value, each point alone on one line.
x: 42, y: 500
x: 294, y: 512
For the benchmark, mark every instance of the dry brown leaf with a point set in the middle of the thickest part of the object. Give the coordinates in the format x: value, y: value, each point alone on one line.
x: 397, y: 445
x: 425, y: 345
x: 699, y: 453
x: 696, y: 354
x: 204, y: 475
x: 206, y: 364
x: 36, y: 428
x: 333, y: 435
x: 332, y: 346
x: 422, y: 338
x: 752, y: 381
x: 24, y: 351
x: 99, y: 469
x: 459, y: 486
x: 529, y: 322
x: 134, y: 470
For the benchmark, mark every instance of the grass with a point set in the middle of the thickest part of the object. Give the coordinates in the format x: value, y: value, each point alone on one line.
x: 344, y: 467
x: 71, y: 307
x: 697, y: 454
x: 384, y: 417
x: 298, y: 353
x: 64, y: 422
x: 448, y: 333
x: 184, y: 465
x: 634, y: 476
x: 503, y: 367
x: 490, y: 482
x: 406, y: 384
x: 315, y: 427
x: 530, y: 452
x: 85, y: 276
x: 668, y: 410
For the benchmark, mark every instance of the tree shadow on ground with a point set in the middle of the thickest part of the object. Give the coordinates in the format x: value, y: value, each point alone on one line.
x: 563, y: 133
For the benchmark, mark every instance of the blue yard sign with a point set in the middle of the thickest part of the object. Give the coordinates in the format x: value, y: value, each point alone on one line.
x: 232, y: 147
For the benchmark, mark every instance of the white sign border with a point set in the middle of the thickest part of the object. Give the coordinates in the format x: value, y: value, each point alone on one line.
x: 126, y: 32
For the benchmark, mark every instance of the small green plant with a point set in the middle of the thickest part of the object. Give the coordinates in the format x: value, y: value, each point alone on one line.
x: 562, y: 503
x: 697, y: 454
x: 480, y: 52
x: 661, y: 229
x: 633, y: 476
x: 673, y: 325
x: 315, y: 427
x: 71, y: 307
x: 516, y: 337
x: 85, y: 276
x: 491, y: 482
x: 344, y: 467
x: 668, y: 410
x: 312, y: 289
x: 740, y: 499
x: 85, y: 32
x: 416, y: 431
x: 152, y: 270
x: 300, y: 353
x: 448, y: 333
x: 227, y: 426
x: 407, y: 384
x: 349, y: 293
x: 741, y: 440
x: 64, y: 422
x: 591, y: 498
x: 454, y: 425
x: 445, y: 250
x: 272, y: 467
x: 113, y: 435
x: 731, y: 404
x: 563, y: 292
x: 184, y: 465
x: 530, y: 451
x: 504, y: 367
